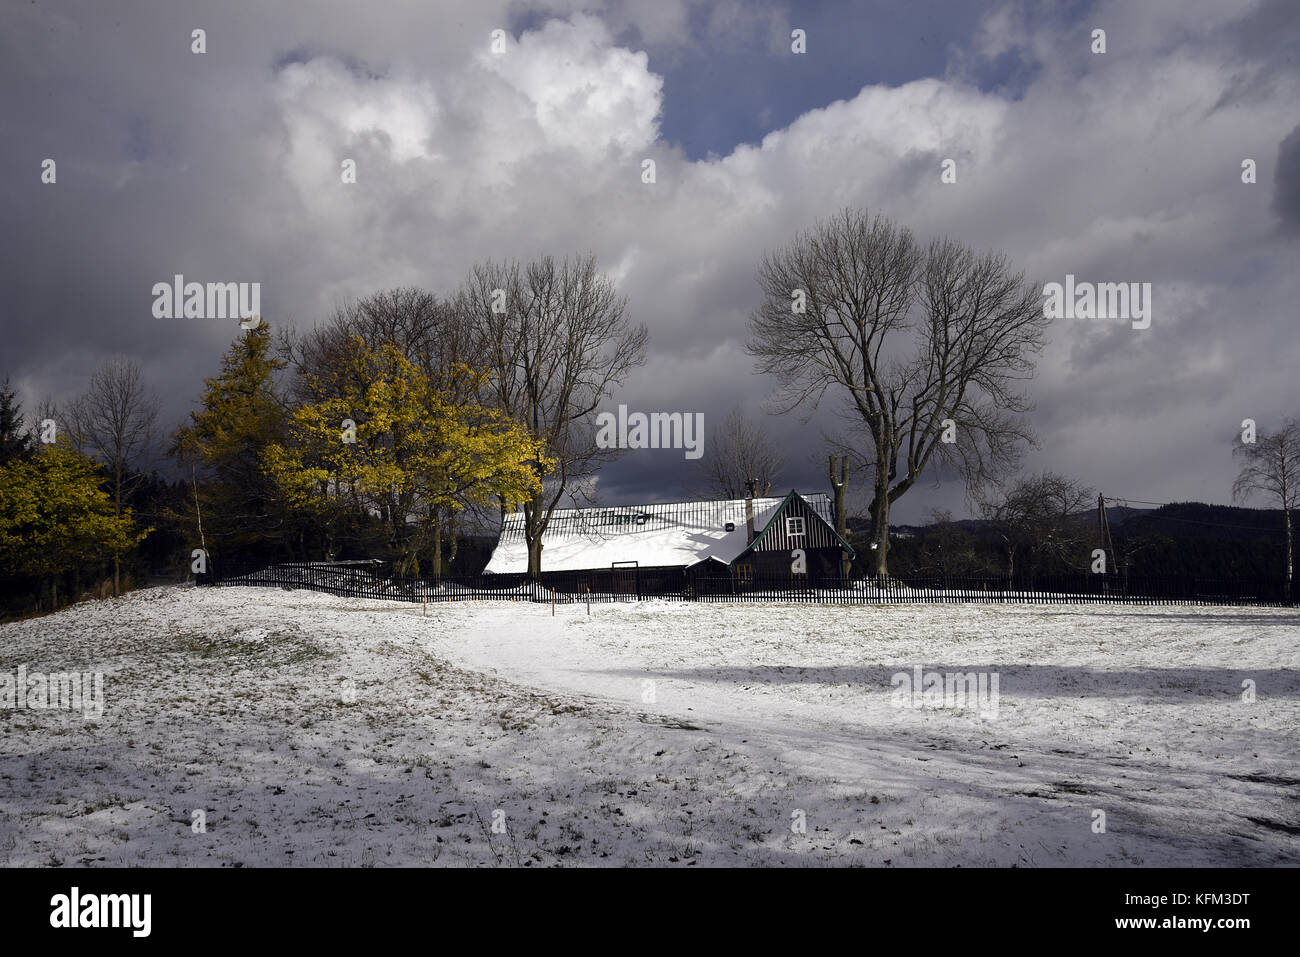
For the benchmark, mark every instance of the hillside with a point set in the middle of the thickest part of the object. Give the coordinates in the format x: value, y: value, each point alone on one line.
x: 1179, y: 539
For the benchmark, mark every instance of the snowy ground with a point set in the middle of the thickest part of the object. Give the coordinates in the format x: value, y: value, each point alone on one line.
x: 318, y: 730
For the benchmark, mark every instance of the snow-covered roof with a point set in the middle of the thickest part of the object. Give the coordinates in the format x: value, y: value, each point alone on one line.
x: 680, y: 533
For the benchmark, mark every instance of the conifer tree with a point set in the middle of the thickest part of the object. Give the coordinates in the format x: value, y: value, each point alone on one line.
x: 15, y: 440
x: 239, y: 414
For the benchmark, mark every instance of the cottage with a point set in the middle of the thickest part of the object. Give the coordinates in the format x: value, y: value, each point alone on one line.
x: 665, y: 547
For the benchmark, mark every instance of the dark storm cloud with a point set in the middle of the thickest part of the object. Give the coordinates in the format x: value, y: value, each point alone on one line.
x: 1264, y: 41
x: 1286, y: 182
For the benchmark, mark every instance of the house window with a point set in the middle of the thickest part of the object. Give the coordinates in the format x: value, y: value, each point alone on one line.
x: 794, y: 526
x: 745, y: 572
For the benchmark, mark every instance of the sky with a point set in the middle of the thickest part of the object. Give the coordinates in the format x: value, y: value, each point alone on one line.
x: 1122, y: 166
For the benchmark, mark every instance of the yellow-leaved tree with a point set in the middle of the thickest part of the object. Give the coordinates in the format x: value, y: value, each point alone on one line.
x: 386, y: 439
x: 55, y: 516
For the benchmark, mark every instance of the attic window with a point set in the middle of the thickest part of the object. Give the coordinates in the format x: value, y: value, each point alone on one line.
x: 794, y: 526
x: 731, y: 526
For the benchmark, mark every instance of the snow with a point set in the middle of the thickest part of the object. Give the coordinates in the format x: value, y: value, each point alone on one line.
x: 320, y: 730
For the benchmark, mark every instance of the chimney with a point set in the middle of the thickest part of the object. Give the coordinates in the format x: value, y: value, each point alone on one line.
x: 750, y: 485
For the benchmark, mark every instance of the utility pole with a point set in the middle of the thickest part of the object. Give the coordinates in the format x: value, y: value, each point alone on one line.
x: 1103, y: 526
x: 839, y: 483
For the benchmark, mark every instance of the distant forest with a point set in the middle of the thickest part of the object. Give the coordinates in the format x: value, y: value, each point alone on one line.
x: 1183, y: 539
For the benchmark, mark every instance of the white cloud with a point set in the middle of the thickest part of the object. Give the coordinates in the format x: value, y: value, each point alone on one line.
x: 323, y: 93
x: 584, y: 94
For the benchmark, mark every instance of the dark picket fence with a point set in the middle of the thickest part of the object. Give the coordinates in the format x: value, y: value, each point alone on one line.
x: 375, y: 579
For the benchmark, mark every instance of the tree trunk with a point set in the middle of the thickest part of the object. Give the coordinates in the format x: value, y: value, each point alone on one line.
x: 535, y: 558
x: 117, y: 513
x: 1290, y: 562
x: 436, y: 567
x: 407, y: 564
x: 198, y: 513
x: 880, y: 528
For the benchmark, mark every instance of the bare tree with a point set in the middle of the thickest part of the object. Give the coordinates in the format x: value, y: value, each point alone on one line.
x: 1271, y: 467
x: 114, y: 423
x: 922, y: 346
x: 555, y: 339
x: 739, y: 450
x: 47, y: 410
x: 426, y: 330
x: 1039, y: 515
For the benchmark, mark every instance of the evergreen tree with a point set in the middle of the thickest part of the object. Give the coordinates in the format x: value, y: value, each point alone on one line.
x: 240, y: 413
x: 15, y: 440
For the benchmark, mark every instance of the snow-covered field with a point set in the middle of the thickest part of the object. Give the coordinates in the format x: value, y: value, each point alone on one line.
x: 317, y: 730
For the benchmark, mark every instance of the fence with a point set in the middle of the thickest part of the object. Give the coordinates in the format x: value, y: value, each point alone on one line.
x: 376, y: 580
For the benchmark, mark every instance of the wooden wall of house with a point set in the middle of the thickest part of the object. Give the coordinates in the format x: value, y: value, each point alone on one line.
x: 773, y: 565
x: 777, y: 539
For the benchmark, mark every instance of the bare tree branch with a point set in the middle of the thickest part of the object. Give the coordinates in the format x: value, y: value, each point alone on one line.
x: 1270, y: 466
x: 739, y: 450
x: 556, y: 339
x: 114, y: 422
